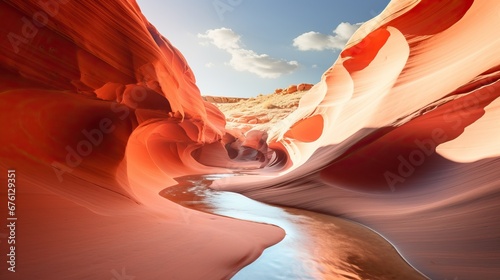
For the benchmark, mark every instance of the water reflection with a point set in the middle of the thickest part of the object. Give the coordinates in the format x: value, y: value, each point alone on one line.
x: 316, y: 246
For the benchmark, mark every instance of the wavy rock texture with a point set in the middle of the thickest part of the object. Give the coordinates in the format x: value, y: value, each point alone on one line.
x: 405, y: 126
x: 100, y: 113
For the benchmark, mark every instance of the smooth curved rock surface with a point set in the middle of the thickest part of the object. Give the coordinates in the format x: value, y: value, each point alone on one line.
x: 100, y: 113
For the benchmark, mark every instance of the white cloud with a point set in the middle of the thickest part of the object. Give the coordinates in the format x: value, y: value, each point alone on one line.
x: 315, y: 41
x: 247, y: 60
x: 209, y: 65
x: 222, y: 38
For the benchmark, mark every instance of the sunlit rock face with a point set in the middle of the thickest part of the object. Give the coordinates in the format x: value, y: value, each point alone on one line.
x: 100, y: 113
x: 400, y: 136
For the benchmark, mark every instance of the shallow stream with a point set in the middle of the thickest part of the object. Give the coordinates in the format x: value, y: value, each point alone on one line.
x: 316, y: 246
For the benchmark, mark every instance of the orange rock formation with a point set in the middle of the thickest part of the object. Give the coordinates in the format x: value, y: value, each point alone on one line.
x: 100, y: 113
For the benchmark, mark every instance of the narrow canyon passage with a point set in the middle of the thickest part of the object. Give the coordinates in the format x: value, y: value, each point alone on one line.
x: 116, y: 164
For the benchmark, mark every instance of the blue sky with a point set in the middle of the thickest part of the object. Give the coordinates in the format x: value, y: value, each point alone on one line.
x: 247, y: 47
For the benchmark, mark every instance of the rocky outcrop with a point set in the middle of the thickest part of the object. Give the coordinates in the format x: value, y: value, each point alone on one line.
x: 294, y: 88
x: 303, y: 87
x: 222, y: 99
x: 291, y: 89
